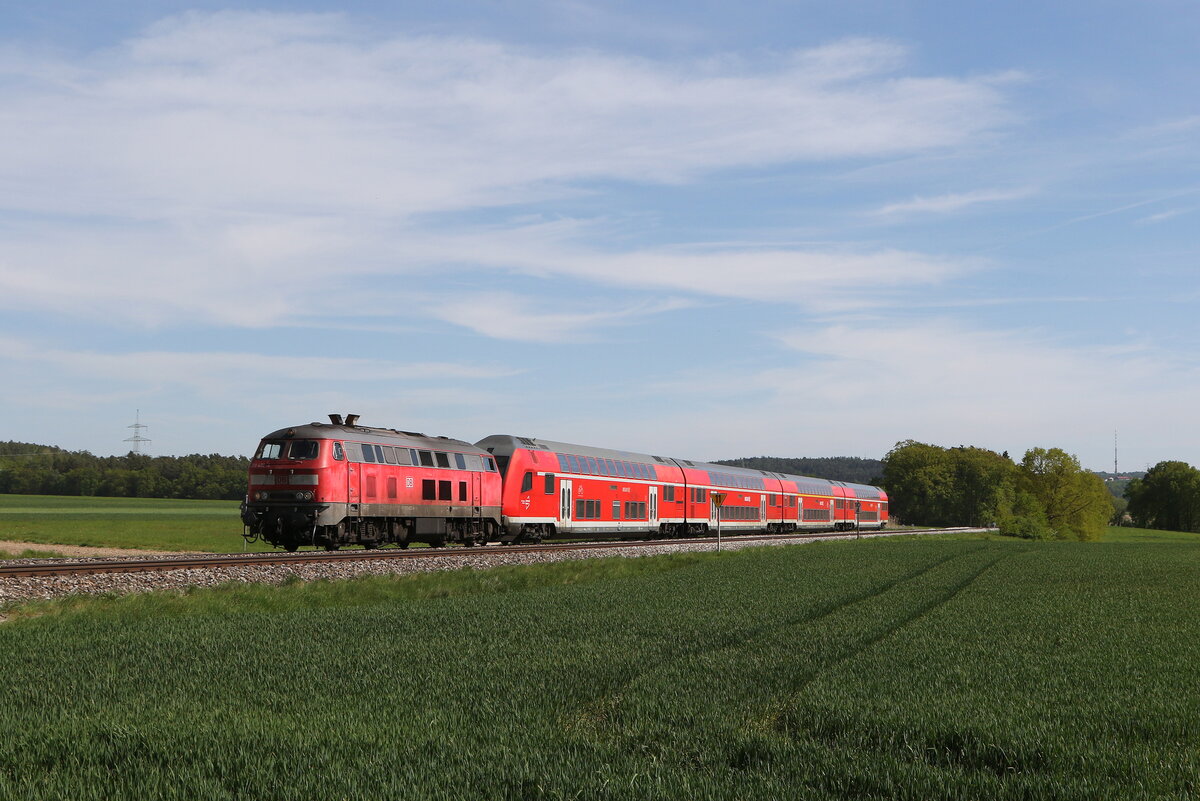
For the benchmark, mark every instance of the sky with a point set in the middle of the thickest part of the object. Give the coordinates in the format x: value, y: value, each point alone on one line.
x: 703, y: 230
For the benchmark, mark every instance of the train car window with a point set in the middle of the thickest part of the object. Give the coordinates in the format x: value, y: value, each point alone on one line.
x: 338, y: 454
x: 368, y: 454
x: 444, y: 493
x: 653, y: 471
x: 460, y: 462
x: 668, y: 494
x: 413, y: 458
x: 428, y: 489
x: 389, y: 455
x: 576, y: 466
x: 602, y: 467
x: 443, y: 460
x: 527, y: 481
x: 616, y: 510
x: 612, y: 468
x: 563, y: 464
x: 591, y: 463
x: 489, y: 465
x: 462, y: 490
x: 426, y: 458
x: 402, y: 456
x: 549, y: 483
x: 579, y: 507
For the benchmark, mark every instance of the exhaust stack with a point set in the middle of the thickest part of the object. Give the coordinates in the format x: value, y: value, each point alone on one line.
x: 352, y: 419
x: 336, y: 419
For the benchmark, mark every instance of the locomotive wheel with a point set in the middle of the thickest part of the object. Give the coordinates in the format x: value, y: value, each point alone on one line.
x: 291, y: 546
x: 333, y: 546
x: 402, y: 544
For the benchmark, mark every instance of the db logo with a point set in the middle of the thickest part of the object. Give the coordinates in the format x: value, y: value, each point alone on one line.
x: 525, y: 503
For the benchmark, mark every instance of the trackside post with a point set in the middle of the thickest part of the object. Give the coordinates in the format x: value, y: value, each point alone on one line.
x: 718, y: 499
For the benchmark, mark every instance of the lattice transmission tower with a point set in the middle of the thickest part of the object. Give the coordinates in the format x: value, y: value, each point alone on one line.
x: 137, y: 439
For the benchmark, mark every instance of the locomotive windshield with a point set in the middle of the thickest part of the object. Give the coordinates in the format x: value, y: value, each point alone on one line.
x: 300, y: 449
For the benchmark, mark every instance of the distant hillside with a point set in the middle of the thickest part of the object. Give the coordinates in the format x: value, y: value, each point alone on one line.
x: 29, y: 469
x: 834, y: 468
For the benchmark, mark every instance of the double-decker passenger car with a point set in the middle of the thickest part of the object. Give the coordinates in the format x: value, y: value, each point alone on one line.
x: 340, y: 483
x: 556, y: 487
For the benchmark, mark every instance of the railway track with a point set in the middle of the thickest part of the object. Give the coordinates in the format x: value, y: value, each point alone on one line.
x: 22, y: 568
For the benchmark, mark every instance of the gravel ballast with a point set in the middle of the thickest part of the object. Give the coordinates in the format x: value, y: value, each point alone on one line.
x: 18, y: 589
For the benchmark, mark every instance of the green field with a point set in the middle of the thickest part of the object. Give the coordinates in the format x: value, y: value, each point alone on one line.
x: 898, y: 668
x: 148, y: 523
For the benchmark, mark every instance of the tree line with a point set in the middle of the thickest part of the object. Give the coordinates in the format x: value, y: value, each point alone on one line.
x: 1166, y: 497
x: 44, y: 470
x: 1047, y: 495
x: 834, y: 468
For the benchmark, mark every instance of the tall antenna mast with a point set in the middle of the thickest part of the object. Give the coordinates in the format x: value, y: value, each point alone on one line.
x: 1115, y: 470
x: 137, y: 439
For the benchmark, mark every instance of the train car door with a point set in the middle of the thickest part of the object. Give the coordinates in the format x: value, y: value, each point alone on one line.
x: 351, y: 480
x: 564, y: 501
x: 476, y: 496
x: 653, y: 507
x: 762, y: 510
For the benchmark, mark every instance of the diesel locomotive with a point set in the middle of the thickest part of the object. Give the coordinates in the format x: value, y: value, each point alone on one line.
x: 339, y: 483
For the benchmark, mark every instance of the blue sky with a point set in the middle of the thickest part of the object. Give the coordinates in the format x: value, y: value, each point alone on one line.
x: 697, y: 229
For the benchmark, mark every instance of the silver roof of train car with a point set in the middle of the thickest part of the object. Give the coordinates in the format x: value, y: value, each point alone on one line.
x: 382, y: 436
x: 806, y: 484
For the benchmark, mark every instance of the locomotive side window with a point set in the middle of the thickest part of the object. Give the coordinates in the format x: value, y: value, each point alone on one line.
x: 549, y: 483
x: 444, y: 493
x: 426, y: 458
x: 527, y: 481
x: 338, y: 453
x: 462, y: 490
x: 489, y: 465
x: 368, y: 453
x: 428, y: 489
x: 460, y: 461
x: 389, y: 455
x: 442, y: 459
x: 403, y: 456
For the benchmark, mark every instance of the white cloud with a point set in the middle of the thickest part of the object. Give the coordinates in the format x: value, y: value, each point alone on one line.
x: 948, y: 203
x: 506, y: 315
x: 304, y: 112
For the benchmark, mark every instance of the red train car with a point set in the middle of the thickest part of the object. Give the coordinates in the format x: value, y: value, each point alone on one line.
x: 566, y: 489
x: 338, y: 483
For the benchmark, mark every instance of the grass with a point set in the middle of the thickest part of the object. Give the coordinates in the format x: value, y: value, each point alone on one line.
x: 146, y: 523
x: 896, y: 668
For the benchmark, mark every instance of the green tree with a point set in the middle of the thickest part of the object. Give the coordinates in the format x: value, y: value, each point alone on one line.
x: 1075, y: 501
x: 1167, y: 497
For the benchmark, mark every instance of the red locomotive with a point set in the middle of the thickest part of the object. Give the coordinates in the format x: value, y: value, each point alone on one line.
x: 340, y: 483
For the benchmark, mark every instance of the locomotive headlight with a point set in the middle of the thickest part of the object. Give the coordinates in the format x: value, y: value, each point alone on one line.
x: 308, y: 496
x: 300, y: 496
x: 262, y: 495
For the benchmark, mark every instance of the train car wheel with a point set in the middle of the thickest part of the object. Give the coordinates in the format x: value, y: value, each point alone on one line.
x: 291, y: 546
